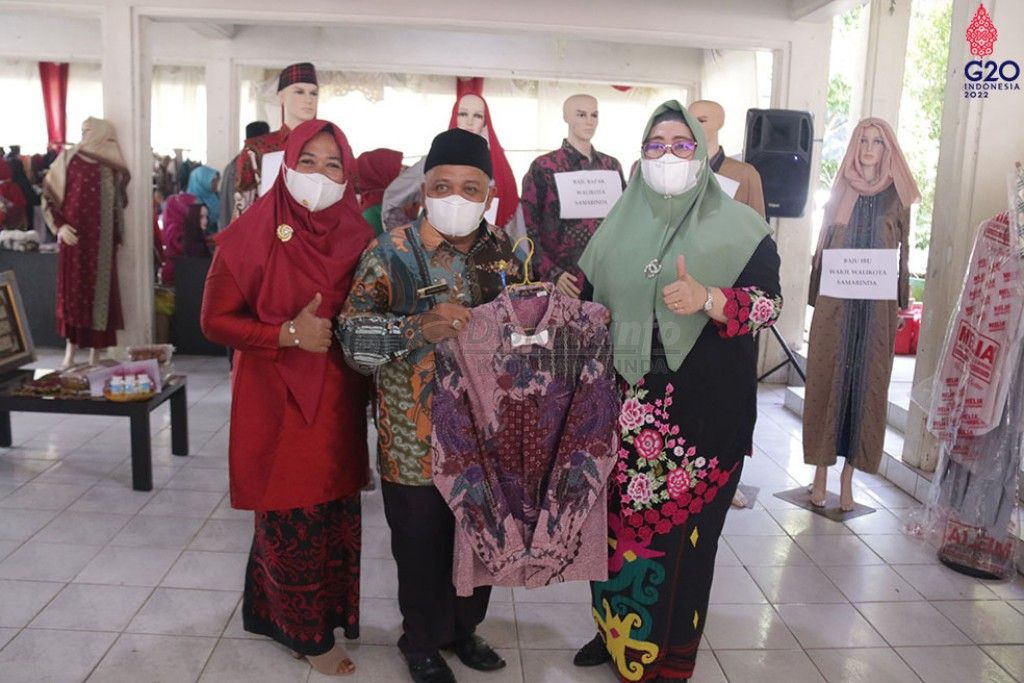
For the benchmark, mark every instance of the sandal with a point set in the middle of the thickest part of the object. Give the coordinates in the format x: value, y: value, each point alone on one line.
x: 334, y: 662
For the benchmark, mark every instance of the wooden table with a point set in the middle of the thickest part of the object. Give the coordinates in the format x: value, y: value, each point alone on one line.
x: 136, y: 411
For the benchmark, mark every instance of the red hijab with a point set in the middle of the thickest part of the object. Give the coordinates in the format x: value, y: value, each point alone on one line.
x: 377, y: 169
x: 278, y: 277
x: 505, y: 187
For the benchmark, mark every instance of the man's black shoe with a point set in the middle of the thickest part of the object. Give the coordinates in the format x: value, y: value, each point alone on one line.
x: 430, y: 669
x: 593, y: 653
x: 475, y: 653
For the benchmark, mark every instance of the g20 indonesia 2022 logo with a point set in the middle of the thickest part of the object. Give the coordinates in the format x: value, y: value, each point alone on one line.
x: 984, y: 75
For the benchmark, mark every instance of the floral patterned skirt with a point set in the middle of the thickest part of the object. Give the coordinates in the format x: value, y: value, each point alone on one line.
x: 667, y: 504
x: 302, y: 581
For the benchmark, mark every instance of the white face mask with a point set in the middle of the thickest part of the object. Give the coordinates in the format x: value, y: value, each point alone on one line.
x: 454, y: 215
x: 314, y: 191
x: 670, y: 175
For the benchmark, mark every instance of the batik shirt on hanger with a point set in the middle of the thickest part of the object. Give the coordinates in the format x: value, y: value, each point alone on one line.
x: 524, y: 437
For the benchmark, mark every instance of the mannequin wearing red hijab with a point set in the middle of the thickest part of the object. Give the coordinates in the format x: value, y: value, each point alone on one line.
x: 470, y: 112
x: 297, y: 447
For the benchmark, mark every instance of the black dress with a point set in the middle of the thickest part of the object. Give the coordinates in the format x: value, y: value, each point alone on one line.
x: 684, y: 437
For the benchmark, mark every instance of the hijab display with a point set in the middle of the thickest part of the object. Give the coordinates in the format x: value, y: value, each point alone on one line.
x: 850, y: 353
x: 84, y: 197
x: 470, y: 112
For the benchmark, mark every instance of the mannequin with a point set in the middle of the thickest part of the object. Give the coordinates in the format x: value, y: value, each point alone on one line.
x: 297, y: 92
x: 402, y: 198
x: 83, y: 201
x: 712, y: 117
x: 850, y: 352
x: 559, y: 242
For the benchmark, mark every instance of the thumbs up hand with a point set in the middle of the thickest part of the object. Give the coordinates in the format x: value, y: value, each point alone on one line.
x: 307, y: 331
x: 685, y: 296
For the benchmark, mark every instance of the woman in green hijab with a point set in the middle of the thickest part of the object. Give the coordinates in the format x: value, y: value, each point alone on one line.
x: 688, y: 275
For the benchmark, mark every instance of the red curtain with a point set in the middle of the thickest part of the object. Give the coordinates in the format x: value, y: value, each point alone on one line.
x: 468, y: 86
x: 54, y: 78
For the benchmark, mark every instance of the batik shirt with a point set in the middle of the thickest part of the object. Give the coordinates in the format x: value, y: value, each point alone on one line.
x: 558, y: 243
x: 525, y: 412
x: 381, y: 329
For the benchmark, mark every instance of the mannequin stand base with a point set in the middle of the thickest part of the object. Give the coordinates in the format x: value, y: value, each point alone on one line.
x: 802, y: 498
x: 966, y: 570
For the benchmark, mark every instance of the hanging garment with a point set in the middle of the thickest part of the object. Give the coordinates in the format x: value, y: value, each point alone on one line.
x: 977, y: 414
x: 524, y: 415
x: 973, y: 381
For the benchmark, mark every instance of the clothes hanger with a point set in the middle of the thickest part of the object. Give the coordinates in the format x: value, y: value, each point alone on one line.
x: 526, y: 287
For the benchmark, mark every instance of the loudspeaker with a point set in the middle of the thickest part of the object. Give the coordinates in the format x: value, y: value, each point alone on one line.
x: 779, y: 144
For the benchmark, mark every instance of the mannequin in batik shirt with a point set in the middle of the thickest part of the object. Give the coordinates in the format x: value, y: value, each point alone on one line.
x: 558, y: 241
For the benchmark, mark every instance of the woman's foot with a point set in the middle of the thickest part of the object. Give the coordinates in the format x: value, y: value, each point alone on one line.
x: 819, y: 489
x: 739, y: 500
x: 334, y: 662
x: 846, y: 502
x: 593, y: 653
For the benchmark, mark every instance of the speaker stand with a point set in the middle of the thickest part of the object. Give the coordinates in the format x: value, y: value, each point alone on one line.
x: 790, y: 358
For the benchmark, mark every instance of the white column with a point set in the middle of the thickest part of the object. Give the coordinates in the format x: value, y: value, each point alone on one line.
x: 800, y: 82
x: 981, y: 139
x: 126, y: 82
x: 221, y: 112
x: 888, y: 29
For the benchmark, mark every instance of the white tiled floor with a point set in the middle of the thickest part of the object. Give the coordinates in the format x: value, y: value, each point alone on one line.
x: 101, y: 583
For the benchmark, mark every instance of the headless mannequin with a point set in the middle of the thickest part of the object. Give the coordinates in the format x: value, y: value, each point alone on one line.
x: 872, y: 145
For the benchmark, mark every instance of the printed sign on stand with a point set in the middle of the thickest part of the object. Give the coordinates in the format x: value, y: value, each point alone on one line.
x: 587, y: 194
x: 870, y: 274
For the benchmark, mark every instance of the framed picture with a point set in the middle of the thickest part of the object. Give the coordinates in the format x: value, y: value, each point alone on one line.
x: 16, y: 348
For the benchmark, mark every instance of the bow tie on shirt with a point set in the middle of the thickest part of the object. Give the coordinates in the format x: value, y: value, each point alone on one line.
x: 542, y: 338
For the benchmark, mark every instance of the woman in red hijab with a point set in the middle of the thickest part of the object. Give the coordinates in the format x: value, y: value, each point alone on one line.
x: 297, y: 448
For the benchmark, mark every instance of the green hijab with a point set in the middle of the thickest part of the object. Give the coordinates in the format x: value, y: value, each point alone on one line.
x: 715, y: 233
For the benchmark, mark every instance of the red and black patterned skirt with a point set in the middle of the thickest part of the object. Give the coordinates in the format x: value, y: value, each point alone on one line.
x: 302, y: 581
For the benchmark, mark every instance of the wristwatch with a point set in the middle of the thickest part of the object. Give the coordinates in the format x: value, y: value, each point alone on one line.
x: 709, y: 302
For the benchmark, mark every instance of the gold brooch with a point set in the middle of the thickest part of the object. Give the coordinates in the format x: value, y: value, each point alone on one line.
x: 285, y: 232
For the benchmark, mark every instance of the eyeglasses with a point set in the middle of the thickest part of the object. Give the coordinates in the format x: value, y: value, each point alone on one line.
x: 681, y: 148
